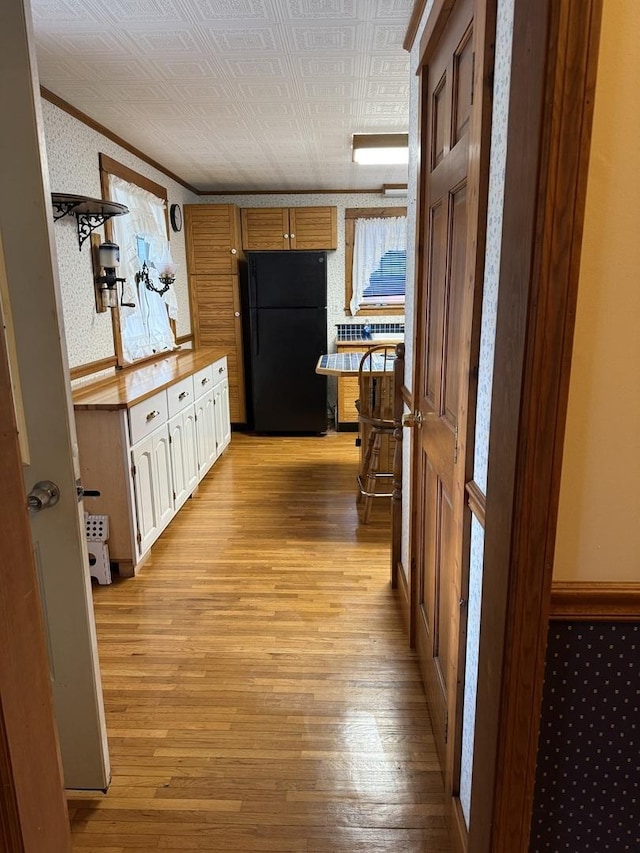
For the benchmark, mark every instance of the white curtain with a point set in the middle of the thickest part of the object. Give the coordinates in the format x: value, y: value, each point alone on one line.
x: 145, y: 329
x: 373, y: 238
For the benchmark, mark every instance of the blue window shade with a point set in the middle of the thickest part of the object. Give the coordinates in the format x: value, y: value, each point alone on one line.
x: 387, y: 283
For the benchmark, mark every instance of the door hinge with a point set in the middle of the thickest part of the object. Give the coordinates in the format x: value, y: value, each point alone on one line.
x: 174, y: 496
x: 139, y: 537
x: 170, y: 440
x: 133, y: 470
x: 455, y: 450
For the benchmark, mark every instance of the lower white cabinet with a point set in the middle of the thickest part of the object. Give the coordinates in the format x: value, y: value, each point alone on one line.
x: 147, y: 459
x: 205, y: 433
x: 221, y: 412
x: 152, y: 486
x: 184, y: 455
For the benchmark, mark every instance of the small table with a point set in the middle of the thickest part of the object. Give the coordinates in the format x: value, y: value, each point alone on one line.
x: 379, y: 370
x: 348, y: 364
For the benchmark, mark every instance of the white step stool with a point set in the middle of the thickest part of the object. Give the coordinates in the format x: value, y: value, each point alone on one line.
x: 97, y: 531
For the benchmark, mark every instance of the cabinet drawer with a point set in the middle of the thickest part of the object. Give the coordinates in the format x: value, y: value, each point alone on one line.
x: 146, y: 416
x: 219, y: 369
x: 180, y: 395
x: 202, y: 381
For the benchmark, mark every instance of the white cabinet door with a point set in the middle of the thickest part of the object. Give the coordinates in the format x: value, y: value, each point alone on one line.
x: 206, y: 433
x: 164, y: 482
x: 190, y: 449
x: 177, y: 442
x: 153, y: 486
x: 222, y: 414
x: 144, y: 479
x: 184, y: 455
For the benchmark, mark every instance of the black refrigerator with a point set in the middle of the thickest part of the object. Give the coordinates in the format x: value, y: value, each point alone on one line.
x: 286, y: 333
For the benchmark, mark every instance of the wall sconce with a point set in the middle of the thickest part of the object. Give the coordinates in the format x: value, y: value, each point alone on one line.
x: 166, y: 274
x: 380, y: 149
x: 107, y: 259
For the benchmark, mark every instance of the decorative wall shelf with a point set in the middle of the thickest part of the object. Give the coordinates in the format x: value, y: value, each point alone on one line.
x: 90, y: 213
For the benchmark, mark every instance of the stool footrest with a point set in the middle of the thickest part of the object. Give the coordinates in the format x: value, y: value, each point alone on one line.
x: 367, y: 494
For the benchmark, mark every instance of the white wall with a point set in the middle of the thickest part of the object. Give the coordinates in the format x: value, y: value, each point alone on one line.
x: 72, y: 155
x: 598, y: 534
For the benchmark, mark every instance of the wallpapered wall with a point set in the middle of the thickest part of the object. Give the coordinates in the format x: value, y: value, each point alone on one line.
x: 335, y: 260
x: 72, y: 156
x: 89, y: 336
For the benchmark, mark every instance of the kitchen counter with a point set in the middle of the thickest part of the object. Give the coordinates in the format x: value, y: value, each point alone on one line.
x: 131, y: 386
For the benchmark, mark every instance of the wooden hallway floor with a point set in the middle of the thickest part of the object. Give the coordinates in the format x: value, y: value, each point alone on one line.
x: 259, y: 691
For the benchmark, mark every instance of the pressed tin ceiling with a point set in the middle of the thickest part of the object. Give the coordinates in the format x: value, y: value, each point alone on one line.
x: 236, y: 94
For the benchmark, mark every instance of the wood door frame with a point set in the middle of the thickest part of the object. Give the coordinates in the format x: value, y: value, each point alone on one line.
x: 555, y: 45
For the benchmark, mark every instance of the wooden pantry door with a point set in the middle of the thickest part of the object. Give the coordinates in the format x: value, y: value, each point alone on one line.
x: 451, y: 188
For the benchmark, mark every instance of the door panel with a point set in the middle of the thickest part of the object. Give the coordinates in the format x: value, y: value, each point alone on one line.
x: 453, y: 306
x: 442, y: 349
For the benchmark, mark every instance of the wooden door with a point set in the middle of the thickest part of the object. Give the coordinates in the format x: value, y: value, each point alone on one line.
x: 313, y: 227
x: 212, y: 238
x: 265, y: 228
x: 217, y: 301
x: 449, y: 193
x: 33, y: 812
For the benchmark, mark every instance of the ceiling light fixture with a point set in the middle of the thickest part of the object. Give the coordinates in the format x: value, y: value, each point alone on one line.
x: 380, y: 149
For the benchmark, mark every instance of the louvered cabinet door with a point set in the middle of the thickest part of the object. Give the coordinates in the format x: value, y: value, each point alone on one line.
x: 214, y: 254
x: 313, y: 228
x: 213, y: 239
x: 265, y: 228
x: 217, y: 301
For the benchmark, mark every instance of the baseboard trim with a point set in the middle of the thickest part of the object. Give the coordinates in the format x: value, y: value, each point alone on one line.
x: 459, y: 831
x: 404, y: 598
x: 595, y: 602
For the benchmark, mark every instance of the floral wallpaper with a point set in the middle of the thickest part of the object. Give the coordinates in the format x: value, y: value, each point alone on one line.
x: 88, y: 334
x: 501, y: 86
x: 335, y: 259
x: 471, y: 666
x: 72, y: 158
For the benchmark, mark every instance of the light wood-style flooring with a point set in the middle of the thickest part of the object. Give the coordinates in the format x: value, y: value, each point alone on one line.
x: 259, y: 691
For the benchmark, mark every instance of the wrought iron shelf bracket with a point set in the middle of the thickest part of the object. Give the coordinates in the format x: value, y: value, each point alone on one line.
x: 90, y: 213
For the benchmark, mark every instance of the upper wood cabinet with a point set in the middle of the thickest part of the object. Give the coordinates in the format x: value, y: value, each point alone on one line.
x: 265, y: 228
x: 213, y: 239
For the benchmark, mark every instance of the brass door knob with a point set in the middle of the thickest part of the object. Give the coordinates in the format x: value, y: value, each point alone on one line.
x: 412, y: 419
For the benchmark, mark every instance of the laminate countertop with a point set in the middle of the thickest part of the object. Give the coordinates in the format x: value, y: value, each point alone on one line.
x: 132, y: 385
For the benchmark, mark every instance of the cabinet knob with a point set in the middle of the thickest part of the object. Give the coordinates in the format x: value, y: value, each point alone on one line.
x: 182, y: 395
x: 221, y: 370
x: 234, y: 251
x: 236, y: 313
x: 292, y: 236
x: 286, y: 236
x: 152, y: 415
x: 205, y: 380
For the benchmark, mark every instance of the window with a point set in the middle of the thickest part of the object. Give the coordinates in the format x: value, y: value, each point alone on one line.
x: 144, y: 329
x: 376, y: 258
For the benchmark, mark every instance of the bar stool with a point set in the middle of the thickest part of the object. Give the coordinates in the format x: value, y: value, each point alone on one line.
x: 375, y: 415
